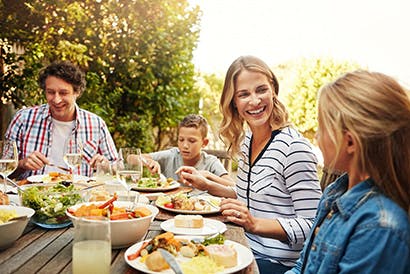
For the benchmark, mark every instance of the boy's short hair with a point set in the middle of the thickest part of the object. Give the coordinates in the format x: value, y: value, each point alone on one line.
x: 196, y: 121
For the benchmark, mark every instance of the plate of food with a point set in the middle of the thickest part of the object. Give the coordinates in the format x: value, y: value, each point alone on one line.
x: 56, y: 177
x: 155, y: 184
x: 193, y: 225
x: 195, y: 254
x: 183, y: 203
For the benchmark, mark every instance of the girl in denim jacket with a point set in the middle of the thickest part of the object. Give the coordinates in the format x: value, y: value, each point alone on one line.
x: 362, y: 223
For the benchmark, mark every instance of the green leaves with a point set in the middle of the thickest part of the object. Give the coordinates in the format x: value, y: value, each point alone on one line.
x: 137, y: 55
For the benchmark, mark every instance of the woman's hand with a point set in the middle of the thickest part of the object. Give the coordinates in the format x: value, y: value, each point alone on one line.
x: 237, y: 212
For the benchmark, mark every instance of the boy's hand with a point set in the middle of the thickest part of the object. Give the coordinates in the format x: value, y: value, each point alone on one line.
x: 192, y: 177
x: 153, y: 166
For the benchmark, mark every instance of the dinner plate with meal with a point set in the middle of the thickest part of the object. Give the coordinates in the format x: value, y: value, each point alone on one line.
x: 55, y: 177
x: 183, y: 203
x: 194, y: 254
x: 193, y: 225
x: 152, y: 184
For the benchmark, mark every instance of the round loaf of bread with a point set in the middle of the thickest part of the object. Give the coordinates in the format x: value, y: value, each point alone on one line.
x: 156, y: 262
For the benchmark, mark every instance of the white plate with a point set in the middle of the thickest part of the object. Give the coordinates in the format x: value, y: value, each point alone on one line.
x: 171, y: 186
x: 210, y: 227
x: 46, y: 178
x: 214, y: 209
x: 245, y: 257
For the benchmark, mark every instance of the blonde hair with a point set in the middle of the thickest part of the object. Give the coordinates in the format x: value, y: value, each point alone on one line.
x: 232, y: 126
x: 375, y: 109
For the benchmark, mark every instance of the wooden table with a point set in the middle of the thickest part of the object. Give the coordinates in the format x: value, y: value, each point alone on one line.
x: 40, y: 250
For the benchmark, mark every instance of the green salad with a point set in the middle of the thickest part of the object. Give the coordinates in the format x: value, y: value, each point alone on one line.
x: 50, y: 202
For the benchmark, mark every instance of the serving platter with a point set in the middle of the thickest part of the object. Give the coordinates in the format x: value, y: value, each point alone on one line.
x: 244, y: 257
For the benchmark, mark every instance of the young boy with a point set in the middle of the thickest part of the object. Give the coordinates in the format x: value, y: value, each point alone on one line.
x: 192, y: 137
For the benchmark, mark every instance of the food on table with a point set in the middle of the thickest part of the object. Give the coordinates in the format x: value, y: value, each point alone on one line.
x: 154, y: 182
x: 6, y: 215
x: 108, y: 209
x: 200, y: 265
x: 156, y: 262
x: 4, y: 198
x: 56, y: 177
x: 189, y: 221
x: 50, y: 201
x: 100, y: 194
x: 182, y: 201
x: 194, y: 249
x: 223, y: 255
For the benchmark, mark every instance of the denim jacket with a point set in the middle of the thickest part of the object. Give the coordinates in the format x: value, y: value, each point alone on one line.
x: 356, y: 231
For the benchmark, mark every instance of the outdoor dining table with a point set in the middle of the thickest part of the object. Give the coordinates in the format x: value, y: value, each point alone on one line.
x: 41, y: 250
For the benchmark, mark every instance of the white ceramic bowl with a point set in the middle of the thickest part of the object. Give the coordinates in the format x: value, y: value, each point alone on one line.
x: 11, y: 231
x: 125, y: 232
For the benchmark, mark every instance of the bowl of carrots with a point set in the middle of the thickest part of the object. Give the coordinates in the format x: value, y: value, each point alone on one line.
x: 128, y: 221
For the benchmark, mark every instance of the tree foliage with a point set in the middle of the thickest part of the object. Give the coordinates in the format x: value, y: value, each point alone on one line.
x: 137, y: 55
x: 301, y: 98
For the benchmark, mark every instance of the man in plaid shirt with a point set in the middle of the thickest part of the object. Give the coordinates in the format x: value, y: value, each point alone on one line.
x: 41, y: 131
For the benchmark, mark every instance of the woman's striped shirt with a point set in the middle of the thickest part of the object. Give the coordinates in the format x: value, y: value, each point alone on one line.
x: 282, y: 184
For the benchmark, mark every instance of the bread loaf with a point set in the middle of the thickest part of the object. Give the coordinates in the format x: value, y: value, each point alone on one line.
x: 189, y: 221
x: 222, y: 255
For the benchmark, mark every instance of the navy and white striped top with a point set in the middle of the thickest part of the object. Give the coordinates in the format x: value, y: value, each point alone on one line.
x: 282, y: 184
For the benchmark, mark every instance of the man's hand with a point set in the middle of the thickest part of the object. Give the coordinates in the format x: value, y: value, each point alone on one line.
x: 34, y: 161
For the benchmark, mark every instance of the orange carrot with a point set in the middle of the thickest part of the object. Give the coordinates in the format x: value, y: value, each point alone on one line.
x: 110, y: 201
x: 135, y: 255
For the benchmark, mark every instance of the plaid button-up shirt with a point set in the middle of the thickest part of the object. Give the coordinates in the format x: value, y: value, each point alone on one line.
x: 32, y: 129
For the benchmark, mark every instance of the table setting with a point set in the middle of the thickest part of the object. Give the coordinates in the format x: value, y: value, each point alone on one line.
x: 50, y: 236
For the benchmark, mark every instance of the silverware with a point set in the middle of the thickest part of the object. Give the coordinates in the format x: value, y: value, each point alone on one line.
x: 197, y: 194
x: 14, y: 184
x: 170, y: 259
x: 60, y: 167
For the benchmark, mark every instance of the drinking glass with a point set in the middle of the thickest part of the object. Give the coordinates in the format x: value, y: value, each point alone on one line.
x: 91, y: 245
x: 8, y: 161
x: 103, y: 172
x: 73, y: 153
x: 129, y: 168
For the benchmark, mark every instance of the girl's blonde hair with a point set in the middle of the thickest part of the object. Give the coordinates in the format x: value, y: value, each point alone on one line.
x: 232, y: 126
x: 375, y: 109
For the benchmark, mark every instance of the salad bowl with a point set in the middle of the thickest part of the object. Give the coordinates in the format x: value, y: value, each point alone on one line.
x: 50, y: 201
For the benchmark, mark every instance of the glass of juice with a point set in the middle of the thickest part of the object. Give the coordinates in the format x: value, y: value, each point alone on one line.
x: 91, y: 245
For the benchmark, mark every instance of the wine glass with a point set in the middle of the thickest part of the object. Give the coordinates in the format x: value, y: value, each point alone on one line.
x: 129, y: 167
x: 73, y: 153
x: 8, y: 161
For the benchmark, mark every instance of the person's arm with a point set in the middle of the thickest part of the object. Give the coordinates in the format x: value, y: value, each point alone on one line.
x: 225, y: 179
x: 303, y: 185
x: 34, y: 161
x: 192, y: 177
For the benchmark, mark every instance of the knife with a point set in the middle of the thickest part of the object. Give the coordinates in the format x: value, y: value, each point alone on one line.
x: 170, y: 259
